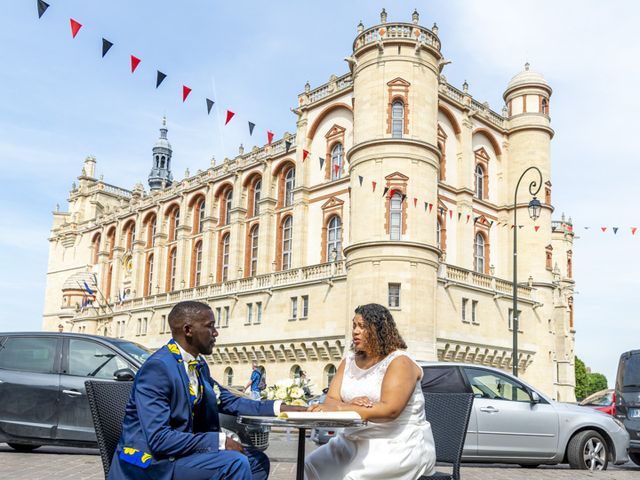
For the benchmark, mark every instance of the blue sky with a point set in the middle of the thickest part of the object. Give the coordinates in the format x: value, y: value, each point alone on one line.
x: 60, y: 101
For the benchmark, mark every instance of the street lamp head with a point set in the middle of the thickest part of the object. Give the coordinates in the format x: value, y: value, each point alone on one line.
x: 534, y: 208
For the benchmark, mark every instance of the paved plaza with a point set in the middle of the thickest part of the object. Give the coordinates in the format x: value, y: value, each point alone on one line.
x: 84, y: 464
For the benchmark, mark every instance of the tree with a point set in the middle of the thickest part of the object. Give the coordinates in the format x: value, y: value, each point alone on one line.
x: 587, y: 382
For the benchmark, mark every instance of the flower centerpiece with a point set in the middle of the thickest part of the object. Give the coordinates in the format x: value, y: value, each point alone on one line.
x: 286, y: 390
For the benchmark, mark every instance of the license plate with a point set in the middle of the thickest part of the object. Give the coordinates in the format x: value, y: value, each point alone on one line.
x: 634, y: 413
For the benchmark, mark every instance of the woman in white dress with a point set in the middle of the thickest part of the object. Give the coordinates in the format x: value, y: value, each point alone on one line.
x: 382, y: 383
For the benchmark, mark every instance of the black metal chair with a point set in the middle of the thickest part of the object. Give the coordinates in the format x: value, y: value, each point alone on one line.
x: 449, y: 415
x: 107, y: 401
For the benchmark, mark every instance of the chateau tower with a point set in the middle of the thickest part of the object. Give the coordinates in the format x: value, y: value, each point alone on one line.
x: 395, y: 68
x: 160, y: 176
x: 527, y: 100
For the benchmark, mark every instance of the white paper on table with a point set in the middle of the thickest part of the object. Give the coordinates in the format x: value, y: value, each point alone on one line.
x: 347, y: 415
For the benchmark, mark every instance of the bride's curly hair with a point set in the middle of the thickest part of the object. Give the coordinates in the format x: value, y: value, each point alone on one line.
x: 382, y: 333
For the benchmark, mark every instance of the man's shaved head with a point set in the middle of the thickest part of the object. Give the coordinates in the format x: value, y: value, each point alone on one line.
x: 185, y: 313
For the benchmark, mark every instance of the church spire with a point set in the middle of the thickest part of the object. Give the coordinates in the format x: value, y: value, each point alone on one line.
x: 160, y: 176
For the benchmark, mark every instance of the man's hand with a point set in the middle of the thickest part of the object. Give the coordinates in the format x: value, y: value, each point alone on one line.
x: 292, y: 408
x: 231, y: 444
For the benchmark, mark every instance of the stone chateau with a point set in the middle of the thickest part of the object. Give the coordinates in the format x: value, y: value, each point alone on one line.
x: 396, y: 188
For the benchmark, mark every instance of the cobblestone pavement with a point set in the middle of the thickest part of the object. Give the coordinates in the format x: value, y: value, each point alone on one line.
x: 84, y: 464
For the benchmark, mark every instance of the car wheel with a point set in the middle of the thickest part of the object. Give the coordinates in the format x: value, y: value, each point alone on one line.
x: 529, y: 465
x: 21, y: 447
x: 635, y: 457
x: 587, y: 450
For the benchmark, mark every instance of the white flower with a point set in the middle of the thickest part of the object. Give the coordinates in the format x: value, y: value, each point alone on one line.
x: 296, y: 392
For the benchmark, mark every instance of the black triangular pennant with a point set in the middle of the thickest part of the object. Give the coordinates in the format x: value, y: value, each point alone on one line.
x: 361, y: 179
x: 106, y: 45
x: 386, y: 189
x: 209, y: 105
x: 42, y: 7
x: 425, y: 206
x: 160, y: 78
x: 615, y: 230
x: 287, y: 146
x: 404, y: 195
x: 459, y: 215
x: 322, y: 165
x: 251, y: 127
x: 475, y: 220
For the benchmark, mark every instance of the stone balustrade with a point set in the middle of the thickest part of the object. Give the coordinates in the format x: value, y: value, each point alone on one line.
x: 451, y: 273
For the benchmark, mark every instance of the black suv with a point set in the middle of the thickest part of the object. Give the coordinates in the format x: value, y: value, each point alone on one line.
x: 628, y: 399
x: 42, y: 394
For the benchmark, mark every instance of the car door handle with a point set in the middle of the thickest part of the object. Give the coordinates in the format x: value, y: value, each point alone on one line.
x: 73, y: 393
x: 489, y: 409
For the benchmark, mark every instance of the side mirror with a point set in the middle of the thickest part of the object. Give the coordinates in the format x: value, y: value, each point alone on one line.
x: 535, y: 398
x: 124, y: 375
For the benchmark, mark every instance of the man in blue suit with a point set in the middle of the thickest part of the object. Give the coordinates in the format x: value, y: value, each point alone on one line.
x: 171, y: 427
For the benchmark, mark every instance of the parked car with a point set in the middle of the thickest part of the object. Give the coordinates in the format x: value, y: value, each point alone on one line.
x: 604, y: 400
x: 628, y: 399
x: 322, y: 435
x: 512, y: 422
x: 42, y: 389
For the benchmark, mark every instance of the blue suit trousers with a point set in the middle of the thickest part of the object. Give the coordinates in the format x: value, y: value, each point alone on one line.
x: 225, y: 464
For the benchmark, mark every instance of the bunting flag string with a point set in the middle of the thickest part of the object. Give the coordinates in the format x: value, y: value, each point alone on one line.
x: 633, y: 230
x: 251, y: 127
x: 106, y: 46
x: 386, y: 189
x: 426, y: 204
x: 374, y: 185
x: 269, y: 137
x: 287, y: 146
x: 336, y: 168
x: 209, y: 105
x: 135, y: 61
x: 322, y: 165
x: 305, y: 154
x: 230, y: 115
x: 415, y: 202
x: 75, y: 27
x: 185, y: 92
x: 42, y: 7
x: 160, y: 78
x: 430, y: 207
x: 361, y: 179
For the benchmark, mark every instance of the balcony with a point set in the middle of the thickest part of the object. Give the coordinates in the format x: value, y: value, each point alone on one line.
x: 450, y: 274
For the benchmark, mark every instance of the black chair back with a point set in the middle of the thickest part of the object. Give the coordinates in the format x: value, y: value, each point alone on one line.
x: 448, y: 414
x: 107, y: 401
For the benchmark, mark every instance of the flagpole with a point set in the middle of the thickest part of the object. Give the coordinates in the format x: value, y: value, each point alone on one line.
x: 106, y: 302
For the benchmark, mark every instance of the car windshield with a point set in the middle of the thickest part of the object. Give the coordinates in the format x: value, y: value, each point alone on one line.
x: 599, y: 399
x: 137, y: 351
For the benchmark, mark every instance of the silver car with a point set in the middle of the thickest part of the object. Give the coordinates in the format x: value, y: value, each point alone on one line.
x: 512, y: 422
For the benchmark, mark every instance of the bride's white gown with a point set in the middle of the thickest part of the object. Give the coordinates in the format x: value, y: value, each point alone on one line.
x: 399, y: 450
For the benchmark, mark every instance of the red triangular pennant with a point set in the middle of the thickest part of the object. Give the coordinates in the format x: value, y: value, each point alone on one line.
x: 374, y: 185
x: 269, y: 137
x: 633, y: 230
x: 536, y: 227
x: 415, y: 202
x: 135, y: 61
x: 336, y: 168
x: 451, y: 214
x: 305, y: 154
x: 75, y: 27
x: 430, y: 207
x: 468, y: 217
x: 570, y: 228
x: 604, y: 229
x: 230, y: 115
x: 512, y: 226
x: 185, y: 92
x: 391, y: 192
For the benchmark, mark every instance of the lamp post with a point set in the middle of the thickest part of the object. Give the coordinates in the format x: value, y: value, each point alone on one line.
x: 534, y: 213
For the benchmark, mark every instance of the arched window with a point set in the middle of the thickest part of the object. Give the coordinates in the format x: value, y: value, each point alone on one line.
x: 334, y: 238
x: 151, y: 231
x: 228, y: 376
x: 397, y: 119
x: 257, y: 189
x: 148, y: 290
x: 201, y: 213
x: 227, y: 207
x: 287, y: 233
x: 197, y: 264
x: 162, y: 159
x: 479, y: 253
x: 253, y: 266
x: 225, y: 257
x: 545, y: 106
x: 336, y: 161
x: 330, y: 372
x: 479, y: 181
x: 439, y: 234
x: 171, y: 269
x: 395, y: 216
x: 174, y: 222
x: 107, y: 287
x: 95, y: 249
x: 296, y: 372
x: 289, y: 185
x: 111, y: 241
x: 130, y: 235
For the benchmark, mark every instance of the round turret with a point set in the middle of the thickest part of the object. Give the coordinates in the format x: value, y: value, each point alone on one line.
x: 160, y: 176
x: 527, y: 92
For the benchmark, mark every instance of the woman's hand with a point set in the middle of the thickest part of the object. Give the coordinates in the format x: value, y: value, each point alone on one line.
x: 362, y: 402
x: 326, y: 407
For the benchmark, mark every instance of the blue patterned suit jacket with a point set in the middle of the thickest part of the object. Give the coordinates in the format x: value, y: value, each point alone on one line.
x: 159, y: 423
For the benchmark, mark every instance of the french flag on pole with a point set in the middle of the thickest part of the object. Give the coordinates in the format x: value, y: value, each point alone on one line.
x: 87, y: 288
